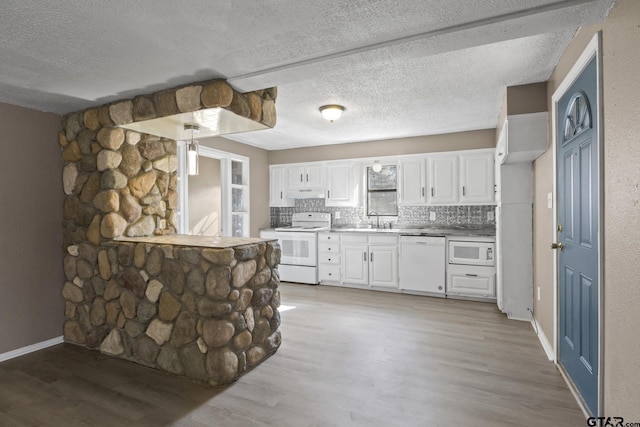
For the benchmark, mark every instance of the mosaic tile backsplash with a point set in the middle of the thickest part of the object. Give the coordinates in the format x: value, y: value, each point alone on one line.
x: 407, y: 215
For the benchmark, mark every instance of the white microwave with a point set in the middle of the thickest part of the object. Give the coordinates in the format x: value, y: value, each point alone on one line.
x: 472, y: 252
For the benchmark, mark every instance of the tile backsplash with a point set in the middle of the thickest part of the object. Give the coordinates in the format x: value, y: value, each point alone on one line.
x: 407, y: 215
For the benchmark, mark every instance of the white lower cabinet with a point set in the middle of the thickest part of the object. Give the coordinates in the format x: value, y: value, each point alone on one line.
x: 383, y: 265
x: 355, y: 264
x: 471, y: 281
x: 358, y: 259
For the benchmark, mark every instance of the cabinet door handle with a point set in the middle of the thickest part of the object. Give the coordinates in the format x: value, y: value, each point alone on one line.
x: 471, y: 275
x: 328, y: 194
x: 371, y: 257
x: 281, y: 195
x: 300, y: 177
x: 307, y: 177
x: 365, y: 256
x: 422, y: 191
x: 464, y: 190
x: 432, y: 192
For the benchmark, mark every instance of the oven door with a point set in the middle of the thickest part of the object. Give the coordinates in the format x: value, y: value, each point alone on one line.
x: 297, y: 247
x: 471, y: 253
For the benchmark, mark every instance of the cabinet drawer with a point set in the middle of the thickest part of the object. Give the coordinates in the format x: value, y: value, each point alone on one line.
x: 325, y: 258
x: 329, y: 247
x: 329, y: 273
x: 353, y: 238
x: 471, y: 281
x: 328, y: 237
x: 383, y: 240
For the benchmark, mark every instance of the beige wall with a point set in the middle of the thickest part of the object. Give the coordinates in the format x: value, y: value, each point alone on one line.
x: 485, y: 138
x: 205, y: 198
x: 259, y: 178
x: 31, y: 306
x: 621, y: 41
x: 525, y: 99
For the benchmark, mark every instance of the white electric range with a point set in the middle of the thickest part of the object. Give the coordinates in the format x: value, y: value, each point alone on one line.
x: 299, y: 245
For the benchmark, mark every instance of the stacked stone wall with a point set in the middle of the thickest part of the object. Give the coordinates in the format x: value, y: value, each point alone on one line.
x: 209, y: 314
x: 123, y: 183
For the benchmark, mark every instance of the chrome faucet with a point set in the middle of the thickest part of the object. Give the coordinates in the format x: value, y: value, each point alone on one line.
x: 377, y: 217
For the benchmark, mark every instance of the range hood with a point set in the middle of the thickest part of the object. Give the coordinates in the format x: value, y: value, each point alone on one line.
x: 305, y: 193
x: 211, y: 121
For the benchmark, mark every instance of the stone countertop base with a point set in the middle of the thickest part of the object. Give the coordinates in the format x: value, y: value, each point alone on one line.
x: 208, y: 313
x: 194, y: 241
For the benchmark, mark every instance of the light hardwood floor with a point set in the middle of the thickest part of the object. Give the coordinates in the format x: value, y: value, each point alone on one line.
x: 348, y: 358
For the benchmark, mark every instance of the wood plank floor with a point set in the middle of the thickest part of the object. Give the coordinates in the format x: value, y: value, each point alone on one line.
x: 349, y: 358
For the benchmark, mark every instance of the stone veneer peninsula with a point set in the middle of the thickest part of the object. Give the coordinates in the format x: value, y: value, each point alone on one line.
x: 197, y: 306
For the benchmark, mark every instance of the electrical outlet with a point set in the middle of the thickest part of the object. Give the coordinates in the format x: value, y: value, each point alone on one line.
x: 432, y: 216
x: 490, y: 216
x: 538, y: 288
x: 336, y: 215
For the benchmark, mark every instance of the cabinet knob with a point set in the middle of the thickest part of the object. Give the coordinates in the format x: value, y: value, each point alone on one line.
x: 329, y: 259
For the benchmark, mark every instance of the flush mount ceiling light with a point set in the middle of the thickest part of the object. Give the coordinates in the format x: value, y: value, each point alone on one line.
x: 331, y: 112
x: 192, y: 149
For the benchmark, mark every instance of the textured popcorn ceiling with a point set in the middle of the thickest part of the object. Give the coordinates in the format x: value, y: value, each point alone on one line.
x: 401, y: 68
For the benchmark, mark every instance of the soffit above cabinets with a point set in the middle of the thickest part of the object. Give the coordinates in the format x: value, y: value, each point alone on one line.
x: 211, y: 121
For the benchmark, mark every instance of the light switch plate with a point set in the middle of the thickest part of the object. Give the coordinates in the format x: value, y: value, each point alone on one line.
x: 550, y: 200
x: 490, y: 216
x: 432, y: 216
x: 336, y: 215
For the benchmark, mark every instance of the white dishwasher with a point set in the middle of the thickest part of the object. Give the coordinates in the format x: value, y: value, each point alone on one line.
x: 422, y: 264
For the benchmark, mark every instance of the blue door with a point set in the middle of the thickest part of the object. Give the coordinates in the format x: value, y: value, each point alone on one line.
x: 577, y: 163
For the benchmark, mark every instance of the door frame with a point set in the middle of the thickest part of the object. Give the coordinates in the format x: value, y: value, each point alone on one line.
x: 225, y: 185
x: 593, y: 49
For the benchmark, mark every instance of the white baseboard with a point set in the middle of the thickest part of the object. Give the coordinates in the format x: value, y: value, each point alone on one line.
x: 31, y: 348
x: 546, y: 345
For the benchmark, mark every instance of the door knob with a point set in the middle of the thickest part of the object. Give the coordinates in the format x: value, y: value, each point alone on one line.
x: 557, y: 245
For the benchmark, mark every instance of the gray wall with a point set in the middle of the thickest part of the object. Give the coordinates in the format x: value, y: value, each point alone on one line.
x: 31, y: 307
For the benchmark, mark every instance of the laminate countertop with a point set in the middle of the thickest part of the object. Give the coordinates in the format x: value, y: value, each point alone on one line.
x: 436, y: 230
x: 194, y: 241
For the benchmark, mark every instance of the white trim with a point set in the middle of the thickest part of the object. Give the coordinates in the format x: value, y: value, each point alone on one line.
x: 593, y: 49
x: 546, y: 345
x: 31, y: 348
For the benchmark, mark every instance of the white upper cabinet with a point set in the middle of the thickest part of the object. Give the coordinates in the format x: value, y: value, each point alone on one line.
x: 443, y: 179
x: 523, y: 138
x: 476, y: 178
x: 412, y: 181
x: 277, y: 187
x: 342, y: 185
x: 305, y: 176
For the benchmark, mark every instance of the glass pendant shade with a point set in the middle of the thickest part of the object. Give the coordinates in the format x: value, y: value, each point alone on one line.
x: 192, y: 158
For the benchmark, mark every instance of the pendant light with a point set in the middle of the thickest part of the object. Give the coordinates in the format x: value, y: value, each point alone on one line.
x: 192, y: 150
x: 331, y: 112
